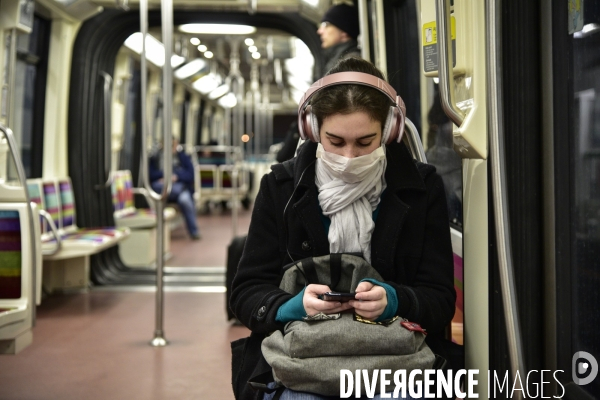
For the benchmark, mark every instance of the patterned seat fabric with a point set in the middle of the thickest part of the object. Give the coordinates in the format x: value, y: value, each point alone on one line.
x: 51, y: 203
x: 10, y: 255
x: 125, y: 213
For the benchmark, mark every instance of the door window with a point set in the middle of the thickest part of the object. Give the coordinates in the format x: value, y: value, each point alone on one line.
x: 585, y: 197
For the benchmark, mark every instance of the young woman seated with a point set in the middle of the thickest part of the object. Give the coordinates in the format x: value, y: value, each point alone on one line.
x: 346, y: 192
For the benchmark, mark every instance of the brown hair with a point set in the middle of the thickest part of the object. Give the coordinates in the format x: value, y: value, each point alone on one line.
x: 346, y: 99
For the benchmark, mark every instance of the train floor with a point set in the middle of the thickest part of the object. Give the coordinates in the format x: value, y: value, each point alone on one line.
x: 95, y: 344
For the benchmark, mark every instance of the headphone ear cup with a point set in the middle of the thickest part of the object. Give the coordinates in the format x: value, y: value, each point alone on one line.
x: 394, y: 126
x: 302, y: 124
x: 308, y: 125
x: 387, y: 127
x: 399, y: 114
x: 314, y: 127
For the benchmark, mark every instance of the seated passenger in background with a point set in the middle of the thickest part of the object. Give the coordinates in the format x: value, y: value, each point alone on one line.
x: 182, y: 187
x: 352, y: 189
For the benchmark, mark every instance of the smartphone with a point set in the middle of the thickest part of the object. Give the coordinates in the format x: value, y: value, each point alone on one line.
x: 335, y: 296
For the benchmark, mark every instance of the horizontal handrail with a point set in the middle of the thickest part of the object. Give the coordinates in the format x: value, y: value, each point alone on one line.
x: 445, y: 72
x: 218, y: 148
x: 55, y: 233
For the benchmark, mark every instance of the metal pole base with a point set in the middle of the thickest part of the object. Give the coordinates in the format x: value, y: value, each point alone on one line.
x: 158, y: 341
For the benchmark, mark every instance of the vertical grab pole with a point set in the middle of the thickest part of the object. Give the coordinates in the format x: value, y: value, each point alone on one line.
x: 159, y: 198
x: 497, y: 157
x: 12, y: 76
x: 143, y: 93
x: 166, y: 12
x: 380, y: 38
x: 234, y: 204
x: 363, y: 22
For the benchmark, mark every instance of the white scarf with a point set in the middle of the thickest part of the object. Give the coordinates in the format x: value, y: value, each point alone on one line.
x: 349, y: 192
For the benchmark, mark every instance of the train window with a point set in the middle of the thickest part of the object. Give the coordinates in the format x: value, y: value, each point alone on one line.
x: 30, y: 74
x: 585, y: 175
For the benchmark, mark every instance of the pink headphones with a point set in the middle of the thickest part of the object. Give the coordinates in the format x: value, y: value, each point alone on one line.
x: 394, y: 124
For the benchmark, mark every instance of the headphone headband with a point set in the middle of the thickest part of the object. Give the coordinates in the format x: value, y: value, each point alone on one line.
x: 350, y: 78
x: 398, y: 109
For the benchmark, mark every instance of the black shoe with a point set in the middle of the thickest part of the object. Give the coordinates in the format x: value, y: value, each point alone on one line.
x: 196, y: 236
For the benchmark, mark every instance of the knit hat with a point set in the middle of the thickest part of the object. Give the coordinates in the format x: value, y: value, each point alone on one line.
x: 344, y: 17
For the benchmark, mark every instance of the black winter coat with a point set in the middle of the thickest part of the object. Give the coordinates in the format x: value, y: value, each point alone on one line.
x: 410, y: 248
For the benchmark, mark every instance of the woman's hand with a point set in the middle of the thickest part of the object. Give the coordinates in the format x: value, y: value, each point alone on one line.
x: 370, y: 302
x: 312, y: 304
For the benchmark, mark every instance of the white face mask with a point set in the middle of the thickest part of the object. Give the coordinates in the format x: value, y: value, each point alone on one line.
x: 351, y: 170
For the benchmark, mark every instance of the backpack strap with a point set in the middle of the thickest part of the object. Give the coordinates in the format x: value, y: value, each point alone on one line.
x: 309, y: 271
x: 335, y: 269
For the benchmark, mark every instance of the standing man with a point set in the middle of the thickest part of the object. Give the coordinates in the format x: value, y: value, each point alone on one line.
x: 182, y: 187
x: 339, y: 30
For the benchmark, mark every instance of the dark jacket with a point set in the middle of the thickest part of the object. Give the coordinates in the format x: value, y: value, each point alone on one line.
x: 182, y: 167
x: 290, y: 142
x: 410, y: 248
x: 339, y: 52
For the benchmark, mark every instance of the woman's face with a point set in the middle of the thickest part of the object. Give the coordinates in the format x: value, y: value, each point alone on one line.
x: 350, y: 135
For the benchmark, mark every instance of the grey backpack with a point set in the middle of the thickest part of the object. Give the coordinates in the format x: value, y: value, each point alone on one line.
x: 309, y: 355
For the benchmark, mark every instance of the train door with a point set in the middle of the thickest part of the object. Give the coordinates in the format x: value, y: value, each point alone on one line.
x: 572, y: 209
x: 536, y: 69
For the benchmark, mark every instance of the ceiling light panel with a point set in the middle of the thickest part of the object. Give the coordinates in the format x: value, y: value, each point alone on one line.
x: 217, y: 29
x: 218, y: 92
x: 191, y: 68
x: 155, y: 50
x: 206, y: 84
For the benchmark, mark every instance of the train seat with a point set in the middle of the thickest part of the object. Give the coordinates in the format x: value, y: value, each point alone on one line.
x: 208, y: 184
x: 226, y: 179
x: 125, y: 213
x: 66, y: 264
x: 214, y: 166
x: 20, y: 269
x: 139, y: 249
x: 55, y: 196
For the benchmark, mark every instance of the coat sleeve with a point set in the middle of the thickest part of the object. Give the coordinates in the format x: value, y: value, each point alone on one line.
x: 185, y: 171
x: 429, y: 299
x: 256, y: 296
x: 155, y: 172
